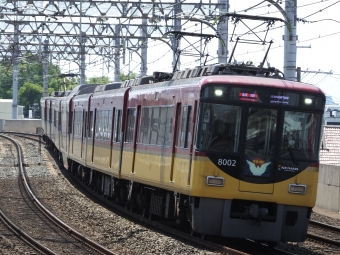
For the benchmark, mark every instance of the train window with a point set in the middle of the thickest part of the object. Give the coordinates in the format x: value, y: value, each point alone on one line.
x: 145, y: 126
x: 218, y: 127
x: 118, y: 124
x: 91, y: 123
x: 103, y: 124
x: 154, y: 125
x: 162, y: 126
x: 177, y: 120
x: 260, y: 145
x: 300, y: 137
x: 261, y: 131
x: 99, y: 129
x: 185, y: 130
x: 77, y: 123
x: 109, y: 124
x: 168, y: 131
x: 130, y: 125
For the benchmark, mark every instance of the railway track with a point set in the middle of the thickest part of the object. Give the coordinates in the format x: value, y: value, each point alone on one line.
x: 23, y: 213
x: 324, y: 233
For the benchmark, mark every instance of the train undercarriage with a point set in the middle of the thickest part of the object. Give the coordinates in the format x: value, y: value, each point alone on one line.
x: 148, y: 201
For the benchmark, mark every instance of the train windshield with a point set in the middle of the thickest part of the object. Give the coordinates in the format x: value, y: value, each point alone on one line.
x: 219, y: 128
x: 300, y: 136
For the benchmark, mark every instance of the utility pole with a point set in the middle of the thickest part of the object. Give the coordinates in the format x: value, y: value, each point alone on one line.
x: 174, y: 42
x: 222, y: 30
x: 299, y: 71
x: 144, y: 46
x: 15, y: 70
x: 45, y: 66
x: 290, y: 37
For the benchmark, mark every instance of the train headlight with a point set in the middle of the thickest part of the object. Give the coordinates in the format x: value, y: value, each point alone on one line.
x: 218, y: 92
x: 215, y: 181
x: 297, y: 189
x: 308, y: 101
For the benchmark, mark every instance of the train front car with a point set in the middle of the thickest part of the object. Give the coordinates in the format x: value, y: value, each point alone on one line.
x: 255, y: 164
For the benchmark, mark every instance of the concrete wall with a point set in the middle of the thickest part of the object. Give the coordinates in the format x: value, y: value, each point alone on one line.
x: 25, y: 125
x: 329, y: 188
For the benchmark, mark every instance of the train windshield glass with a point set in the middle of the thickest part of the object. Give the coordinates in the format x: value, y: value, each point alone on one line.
x: 300, y: 137
x: 219, y: 128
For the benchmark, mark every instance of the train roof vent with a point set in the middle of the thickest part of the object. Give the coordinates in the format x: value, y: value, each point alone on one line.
x: 123, y: 84
x: 87, y: 90
x: 179, y: 75
x: 213, y: 69
x: 110, y: 86
x: 149, y: 79
x: 186, y: 73
x: 99, y: 88
x: 195, y: 71
x: 174, y: 77
x: 203, y: 71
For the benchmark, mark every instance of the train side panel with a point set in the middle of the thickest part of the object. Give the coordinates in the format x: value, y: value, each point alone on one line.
x: 104, y: 146
x: 154, y: 153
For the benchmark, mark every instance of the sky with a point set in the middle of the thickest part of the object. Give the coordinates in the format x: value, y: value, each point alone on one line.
x: 318, y: 44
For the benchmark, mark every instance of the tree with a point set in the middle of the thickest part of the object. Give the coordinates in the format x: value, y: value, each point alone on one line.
x: 129, y: 76
x: 99, y: 80
x: 30, y: 70
x: 29, y: 94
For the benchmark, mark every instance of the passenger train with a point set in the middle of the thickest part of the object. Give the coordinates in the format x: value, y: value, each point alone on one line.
x: 231, y: 150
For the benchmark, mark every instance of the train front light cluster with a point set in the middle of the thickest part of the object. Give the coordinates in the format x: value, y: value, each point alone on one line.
x: 297, y: 189
x: 215, y: 181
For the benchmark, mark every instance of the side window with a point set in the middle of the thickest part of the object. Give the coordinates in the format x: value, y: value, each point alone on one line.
x: 90, y: 133
x: 168, y: 131
x: 109, y: 124
x: 154, y: 125
x: 98, y: 123
x: 118, y: 124
x: 85, y: 123
x: 185, y: 129
x: 145, y: 126
x: 178, y: 122
x: 130, y: 127
x: 54, y: 118
x: 162, y: 126
x: 77, y: 124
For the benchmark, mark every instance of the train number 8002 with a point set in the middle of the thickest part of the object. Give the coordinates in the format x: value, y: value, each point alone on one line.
x: 226, y: 162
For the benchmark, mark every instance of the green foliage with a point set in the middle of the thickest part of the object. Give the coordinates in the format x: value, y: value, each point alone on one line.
x: 6, y: 80
x: 129, y: 76
x: 99, y: 80
x: 30, y: 71
x: 30, y: 93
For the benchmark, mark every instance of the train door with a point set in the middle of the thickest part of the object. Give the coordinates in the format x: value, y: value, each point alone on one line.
x: 59, y: 125
x: 260, y: 148
x: 84, y: 134
x: 182, y: 145
x: 175, y: 137
x: 90, y: 136
x: 130, y: 137
x: 135, y: 132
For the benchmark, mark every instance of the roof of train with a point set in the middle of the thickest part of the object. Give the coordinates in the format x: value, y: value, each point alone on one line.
x: 260, y: 81
x: 235, y: 80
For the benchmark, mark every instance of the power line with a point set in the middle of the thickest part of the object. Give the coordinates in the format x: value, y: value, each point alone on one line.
x: 321, y: 9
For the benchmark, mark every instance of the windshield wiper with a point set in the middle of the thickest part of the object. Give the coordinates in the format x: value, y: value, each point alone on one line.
x: 292, y: 155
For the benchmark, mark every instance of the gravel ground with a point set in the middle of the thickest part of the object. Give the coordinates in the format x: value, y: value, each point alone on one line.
x: 111, y: 230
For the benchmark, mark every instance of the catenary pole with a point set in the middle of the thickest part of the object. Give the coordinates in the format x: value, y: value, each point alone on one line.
x: 290, y: 37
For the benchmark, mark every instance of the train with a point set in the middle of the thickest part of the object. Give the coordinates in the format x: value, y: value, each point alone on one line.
x: 228, y: 150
